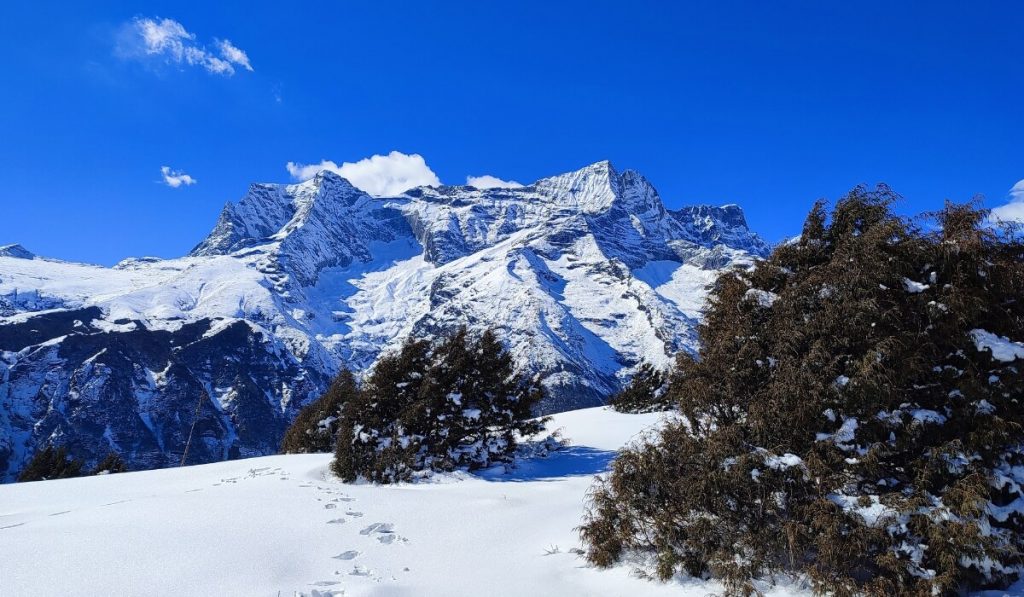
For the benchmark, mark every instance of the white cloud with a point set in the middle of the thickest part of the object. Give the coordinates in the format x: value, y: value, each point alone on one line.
x: 378, y: 175
x: 176, y: 178
x: 234, y: 54
x: 491, y: 182
x: 1014, y: 210
x: 167, y: 35
x: 168, y: 39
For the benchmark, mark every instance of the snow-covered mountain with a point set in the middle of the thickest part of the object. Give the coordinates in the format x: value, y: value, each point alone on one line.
x: 584, y: 275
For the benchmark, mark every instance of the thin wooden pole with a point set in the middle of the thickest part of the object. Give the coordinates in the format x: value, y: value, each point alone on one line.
x: 195, y: 419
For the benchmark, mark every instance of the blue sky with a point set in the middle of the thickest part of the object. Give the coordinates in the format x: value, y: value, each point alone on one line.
x: 769, y: 105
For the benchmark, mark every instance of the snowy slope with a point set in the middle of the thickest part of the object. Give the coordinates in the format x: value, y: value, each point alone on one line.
x: 585, y: 275
x: 281, y: 525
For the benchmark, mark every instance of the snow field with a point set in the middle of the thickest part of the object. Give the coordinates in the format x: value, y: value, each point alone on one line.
x: 283, y: 525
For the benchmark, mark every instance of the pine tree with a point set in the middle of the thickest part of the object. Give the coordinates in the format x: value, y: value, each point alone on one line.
x: 380, y: 428
x: 111, y: 464
x: 645, y: 392
x: 315, y: 428
x: 51, y: 463
x: 456, y: 404
x: 854, y: 415
x: 494, y: 407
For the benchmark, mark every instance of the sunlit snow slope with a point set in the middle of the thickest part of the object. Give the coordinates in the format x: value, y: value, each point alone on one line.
x: 282, y: 525
x: 584, y: 275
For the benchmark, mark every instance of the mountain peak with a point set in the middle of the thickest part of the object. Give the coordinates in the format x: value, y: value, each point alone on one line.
x: 593, y: 188
x: 17, y: 251
x: 272, y: 210
x: 330, y: 177
x: 602, y: 170
x: 709, y: 225
x: 599, y: 166
x: 328, y: 174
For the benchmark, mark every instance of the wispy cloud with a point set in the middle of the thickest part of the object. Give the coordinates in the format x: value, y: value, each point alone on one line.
x: 234, y: 54
x: 491, y: 182
x: 379, y: 175
x: 168, y: 40
x: 176, y: 178
x: 1013, y: 211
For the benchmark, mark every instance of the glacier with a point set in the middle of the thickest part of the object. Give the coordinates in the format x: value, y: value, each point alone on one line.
x: 584, y: 275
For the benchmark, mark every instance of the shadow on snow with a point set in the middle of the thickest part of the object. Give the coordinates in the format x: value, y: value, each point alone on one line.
x: 572, y: 461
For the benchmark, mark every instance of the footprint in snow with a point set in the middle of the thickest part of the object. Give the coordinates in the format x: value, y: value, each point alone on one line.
x: 354, y: 514
x: 378, y: 527
x: 259, y: 472
x: 347, y: 555
x: 358, y: 570
x: 336, y: 521
x: 385, y: 533
x: 330, y: 506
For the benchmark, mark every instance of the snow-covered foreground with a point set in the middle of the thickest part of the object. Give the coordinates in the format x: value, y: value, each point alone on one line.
x: 283, y: 525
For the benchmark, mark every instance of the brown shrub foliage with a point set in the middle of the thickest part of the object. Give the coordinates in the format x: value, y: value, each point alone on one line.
x: 843, y: 420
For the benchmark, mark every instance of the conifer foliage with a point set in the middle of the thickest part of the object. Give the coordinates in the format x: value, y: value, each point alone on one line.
x: 110, y: 464
x: 645, y: 392
x: 315, y: 429
x: 456, y: 404
x: 855, y: 415
x: 51, y: 463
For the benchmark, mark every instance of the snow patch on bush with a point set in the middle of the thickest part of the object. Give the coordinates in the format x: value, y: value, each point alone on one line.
x: 761, y: 297
x: 1002, y: 348
x: 914, y: 287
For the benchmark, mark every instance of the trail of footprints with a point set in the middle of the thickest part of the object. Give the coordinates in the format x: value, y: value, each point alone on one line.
x: 333, y: 500
x: 264, y: 471
x: 382, y: 532
x: 336, y: 502
x: 251, y: 474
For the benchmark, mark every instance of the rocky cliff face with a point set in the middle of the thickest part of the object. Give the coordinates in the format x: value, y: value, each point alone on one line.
x: 584, y: 275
